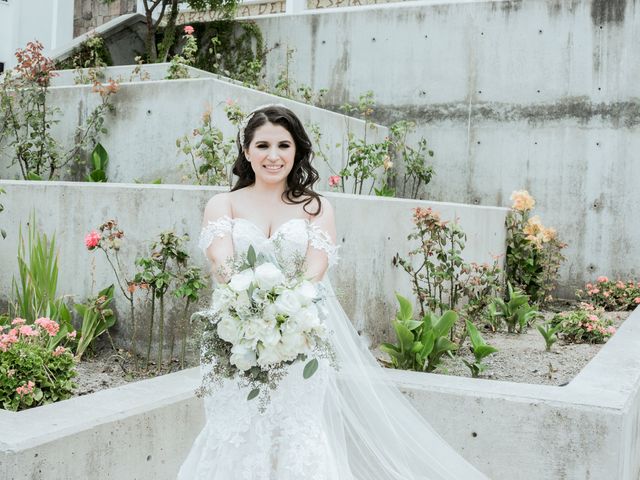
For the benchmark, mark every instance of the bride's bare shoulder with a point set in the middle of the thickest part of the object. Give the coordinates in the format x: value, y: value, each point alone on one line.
x: 326, y: 209
x: 218, y: 206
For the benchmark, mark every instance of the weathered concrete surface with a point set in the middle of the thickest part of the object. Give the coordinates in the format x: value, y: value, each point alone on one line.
x: 371, y: 231
x: 586, y: 430
x: 510, y: 94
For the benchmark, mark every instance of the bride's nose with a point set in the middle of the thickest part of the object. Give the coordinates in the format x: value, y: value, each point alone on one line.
x: 273, y: 154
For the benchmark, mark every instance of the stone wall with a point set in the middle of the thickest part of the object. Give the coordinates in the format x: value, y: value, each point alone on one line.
x: 89, y: 14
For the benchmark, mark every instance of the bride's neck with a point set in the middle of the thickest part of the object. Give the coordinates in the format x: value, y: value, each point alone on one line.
x: 268, y: 191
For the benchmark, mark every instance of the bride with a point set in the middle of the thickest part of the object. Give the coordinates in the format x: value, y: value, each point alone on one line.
x: 346, y: 422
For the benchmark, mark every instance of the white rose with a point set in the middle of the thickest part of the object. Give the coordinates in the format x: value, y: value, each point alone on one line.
x: 269, y: 355
x: 307, y: 319
x: 241, y: 281
x: 269, y: 313
x: 221, y: 298
x: 292, y: 344
x: 306, y: 292
x: 243, y: 356
x: 229, y: 329
x: 287, y: 303
x: 268, y: 276
x: 268, y: 332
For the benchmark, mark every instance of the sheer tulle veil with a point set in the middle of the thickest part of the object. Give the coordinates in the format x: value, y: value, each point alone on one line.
x: 375, y: 432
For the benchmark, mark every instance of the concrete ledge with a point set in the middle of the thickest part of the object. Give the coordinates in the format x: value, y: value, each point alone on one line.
x: 586, y: 430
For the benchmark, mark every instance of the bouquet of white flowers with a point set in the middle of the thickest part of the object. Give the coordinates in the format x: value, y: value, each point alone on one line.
x: 261, y: 322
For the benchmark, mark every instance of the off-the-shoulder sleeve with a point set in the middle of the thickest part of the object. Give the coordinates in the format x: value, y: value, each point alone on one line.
x: 214, y: 229
x: 320, y: 240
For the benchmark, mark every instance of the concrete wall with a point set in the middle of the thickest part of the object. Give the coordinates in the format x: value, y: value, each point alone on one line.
x: 584, y: 431
x: 52, y: 26
x: 89, y: 14
x: 511, y: 94
x: 150, y: 116
x: 371, y: 232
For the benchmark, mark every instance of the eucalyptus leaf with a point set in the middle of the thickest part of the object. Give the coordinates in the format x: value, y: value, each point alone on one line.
x: 253, y: 394
x: 310, y: 368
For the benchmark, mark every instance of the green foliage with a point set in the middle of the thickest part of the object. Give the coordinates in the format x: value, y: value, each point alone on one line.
x: 515, y: 311
x: 421, y: 344
x: 31, y: 361
x: 179, y: 63
x: 583, y: 326
x: 416, y: 171
x: 611, y: 295
x: 479, y: 348
x: 209, y: 154
x: 548, y: 332
x: 439, y: 275
x: 533, y: 251
x: 97, y: 318
x: 158, y: 272
x: 99, y: 162
x: 34, y: 293
x: 26, y: 119
x: 92, y: 53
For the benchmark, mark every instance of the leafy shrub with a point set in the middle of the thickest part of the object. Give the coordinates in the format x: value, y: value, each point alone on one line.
x: 422, y: 343
x: 31, y: 372
x: 515, y: 311
x: 583, y: 326
x: 611, y: 295
x: 533, y: 250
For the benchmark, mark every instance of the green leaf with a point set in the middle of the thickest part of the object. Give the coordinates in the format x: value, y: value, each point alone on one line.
x: 310, y: 368
x: 406, y: 309
x: 474, y: 335
x: 33, y: 176
x: 253, y: 394
x: 251, y: 256
x: 483, y: 350
x: 445, y: 323
x: 405, y: 337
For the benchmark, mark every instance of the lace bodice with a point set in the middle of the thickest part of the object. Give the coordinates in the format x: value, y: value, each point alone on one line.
x: 287, y: 244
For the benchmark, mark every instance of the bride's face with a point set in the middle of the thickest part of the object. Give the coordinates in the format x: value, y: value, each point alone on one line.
x: 271, y: 152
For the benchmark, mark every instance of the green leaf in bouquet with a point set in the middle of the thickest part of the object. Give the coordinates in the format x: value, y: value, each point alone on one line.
x: 310, y: 368
x: 251, y: 256
x: 253, y: 394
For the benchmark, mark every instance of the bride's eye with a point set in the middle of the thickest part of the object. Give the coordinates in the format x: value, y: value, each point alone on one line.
x: 285, y: 145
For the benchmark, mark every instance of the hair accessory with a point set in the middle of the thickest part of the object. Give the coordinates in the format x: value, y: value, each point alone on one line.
x: 245, y: 120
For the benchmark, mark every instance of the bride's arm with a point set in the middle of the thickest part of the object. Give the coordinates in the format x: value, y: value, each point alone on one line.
x: 322, y: 240
x: 215, y: 238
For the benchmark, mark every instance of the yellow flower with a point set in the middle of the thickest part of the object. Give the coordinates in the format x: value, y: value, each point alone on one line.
x: 522, y: 201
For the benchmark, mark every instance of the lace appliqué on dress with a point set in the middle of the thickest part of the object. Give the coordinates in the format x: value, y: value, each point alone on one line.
x: 320, y: 240
x: 216, y: 229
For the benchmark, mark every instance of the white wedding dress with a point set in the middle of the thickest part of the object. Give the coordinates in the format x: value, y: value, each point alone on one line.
x: 346, y: 424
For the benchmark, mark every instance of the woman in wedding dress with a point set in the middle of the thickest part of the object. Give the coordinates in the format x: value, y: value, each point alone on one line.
x: 346, y: 422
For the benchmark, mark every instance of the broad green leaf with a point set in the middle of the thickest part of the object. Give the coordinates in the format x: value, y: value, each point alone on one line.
x: 310, y: 368
x: 474, y: 335
x: 483, y: 350
x: 445, y: 323
x: 405, y: 337
x: 406, y: 309
x: 253, y: 394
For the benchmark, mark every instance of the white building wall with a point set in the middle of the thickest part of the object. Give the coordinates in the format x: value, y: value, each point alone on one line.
x: 22, y: 21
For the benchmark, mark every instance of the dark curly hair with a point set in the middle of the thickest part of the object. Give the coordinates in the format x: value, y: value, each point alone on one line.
x: 302, y: 177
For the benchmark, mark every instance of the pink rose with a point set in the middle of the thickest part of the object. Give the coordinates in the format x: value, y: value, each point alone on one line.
x: 589, y: 286
x: 189, y: 30
x: 92, y: 240
x: 334, y: 180
x: 602, y: 279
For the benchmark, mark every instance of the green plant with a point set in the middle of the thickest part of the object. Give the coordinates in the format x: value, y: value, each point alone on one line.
x: 284, y: 84
x: 34, y: 293
x: 209, y: 154
x: 32, y: 373
x: 533, y: 251
x: 156, y: 272
x: 583, y: 326
x: 479, y: 349
x: 515, y: 311
x: 97, y: 318
x: 99, y: 162
x: 179, y: 63
x: 92, y: 54
x: 416, y: 172
x: 26, y: 119
x: 421, y: 344
x: 611, y: 295
x: 191, y: 283
x: 548, y: 332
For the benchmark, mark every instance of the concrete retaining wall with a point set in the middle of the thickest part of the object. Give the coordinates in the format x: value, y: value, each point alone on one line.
x: 586, y: 430
x: 510, y: 94
x: 151, y: 115
x: 371, y: 231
